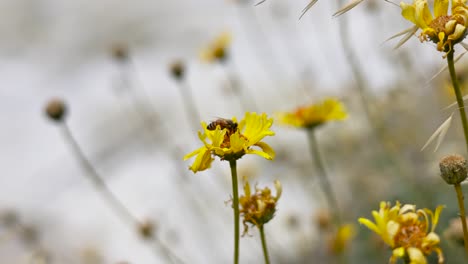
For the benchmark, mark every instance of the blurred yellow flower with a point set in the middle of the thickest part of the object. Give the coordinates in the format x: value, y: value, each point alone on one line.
x: 314, y: 115
x: 443, y: 28
x: 231, y: 143
x: 258, y: 208
x: 342, y: 238
x: 217, y: 50
x: 406, y: 231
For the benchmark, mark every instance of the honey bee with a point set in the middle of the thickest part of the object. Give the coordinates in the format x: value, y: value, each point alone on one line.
x: 223, y: 123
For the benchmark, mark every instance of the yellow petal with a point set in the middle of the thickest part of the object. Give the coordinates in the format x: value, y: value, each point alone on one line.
x: 279, y: 189
x: 423, y: 15
x: 440, y: 7
x: 203, y: 160
x: 408, y: 12
x: 416, y: 256
x: 266, y: 148
x: 458, y: 33
x: 369, y: 224
x: 191, y: 154
x: 260, y: 153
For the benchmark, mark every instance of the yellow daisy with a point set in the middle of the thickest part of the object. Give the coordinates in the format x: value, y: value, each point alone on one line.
x: 406, y: 231
x: 217, y: 50
x: 231, y: 143
x: 314, y: 115
x: 443, y: 28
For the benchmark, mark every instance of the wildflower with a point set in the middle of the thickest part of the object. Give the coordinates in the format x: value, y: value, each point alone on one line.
x: 341, y: 240
x: 443, y: 29
x: 231, y: 143
x: 260, y: 207
x: 217, y: 50
x: 406, y: 231
x: 314, y: 115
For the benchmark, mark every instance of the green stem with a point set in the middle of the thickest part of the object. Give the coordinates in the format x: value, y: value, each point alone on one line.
x: 458, y: 94
x: 323, y: 178
x: 461, y: 204
x: 264, y: 245
x: 235, y: 205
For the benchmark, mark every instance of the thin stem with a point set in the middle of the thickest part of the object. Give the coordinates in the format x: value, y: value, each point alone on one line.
x: 264, y: 245
x: 461, y: 204
x: 323, y: 178
x: 96, y: 179
x: 114, y: 203
x: 458, y: 94
x: 235, y: 205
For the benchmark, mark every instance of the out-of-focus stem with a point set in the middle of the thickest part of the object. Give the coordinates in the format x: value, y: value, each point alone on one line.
x: 461, y: 205
x: 114, y: 203
x: 458, y: 94
x: 323, y: 178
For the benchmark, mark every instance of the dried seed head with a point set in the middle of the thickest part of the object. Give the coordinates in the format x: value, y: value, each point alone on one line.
x: 120, y: 52
x: 453, y: 169
x: 323, y: 219
x: 177, y: 69
x: 146, y: 229
x: 56, y: 109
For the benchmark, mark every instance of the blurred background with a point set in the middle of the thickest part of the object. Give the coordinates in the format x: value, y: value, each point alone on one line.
x: 110, y: 61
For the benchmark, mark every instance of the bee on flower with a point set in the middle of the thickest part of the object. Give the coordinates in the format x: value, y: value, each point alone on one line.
x: 410, y: 233
x: 234, y: 141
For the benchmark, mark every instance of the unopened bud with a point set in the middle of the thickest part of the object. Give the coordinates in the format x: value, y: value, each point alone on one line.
x: 177, y: 70
x: 323, y: 219
x: 56, y: 110
x: 453, y: 169
x: 146, y: 229
x: 120, y: 52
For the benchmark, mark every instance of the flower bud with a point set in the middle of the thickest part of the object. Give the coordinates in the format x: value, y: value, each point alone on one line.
x: 146, y: 229
x: 56, y: 109
x: 453, y: 169
x: 177, y: 69
x: 120, y: 52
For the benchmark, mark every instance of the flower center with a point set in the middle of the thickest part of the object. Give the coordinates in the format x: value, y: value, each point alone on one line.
x: 438, y: 24
x: 410, y: 235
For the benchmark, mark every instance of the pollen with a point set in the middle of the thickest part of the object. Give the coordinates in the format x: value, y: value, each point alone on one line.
x: 438, y: 24
x: 410, y: 236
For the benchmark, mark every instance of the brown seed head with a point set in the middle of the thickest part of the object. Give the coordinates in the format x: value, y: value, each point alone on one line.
x: 453, y: 169
x: 177, y: 69
x: 56, y: 109
x: 146, y: 229
x: 323, y: 219
x: 120, y: 52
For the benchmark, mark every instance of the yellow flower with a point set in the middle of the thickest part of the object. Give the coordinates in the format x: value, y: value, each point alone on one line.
x: 314, y: 115
x: 260, y: 207
x: 231, y: 143
x: 443, y: 28
x: 340, y: 241
x: 406, y: 231
x: 217, y: 50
